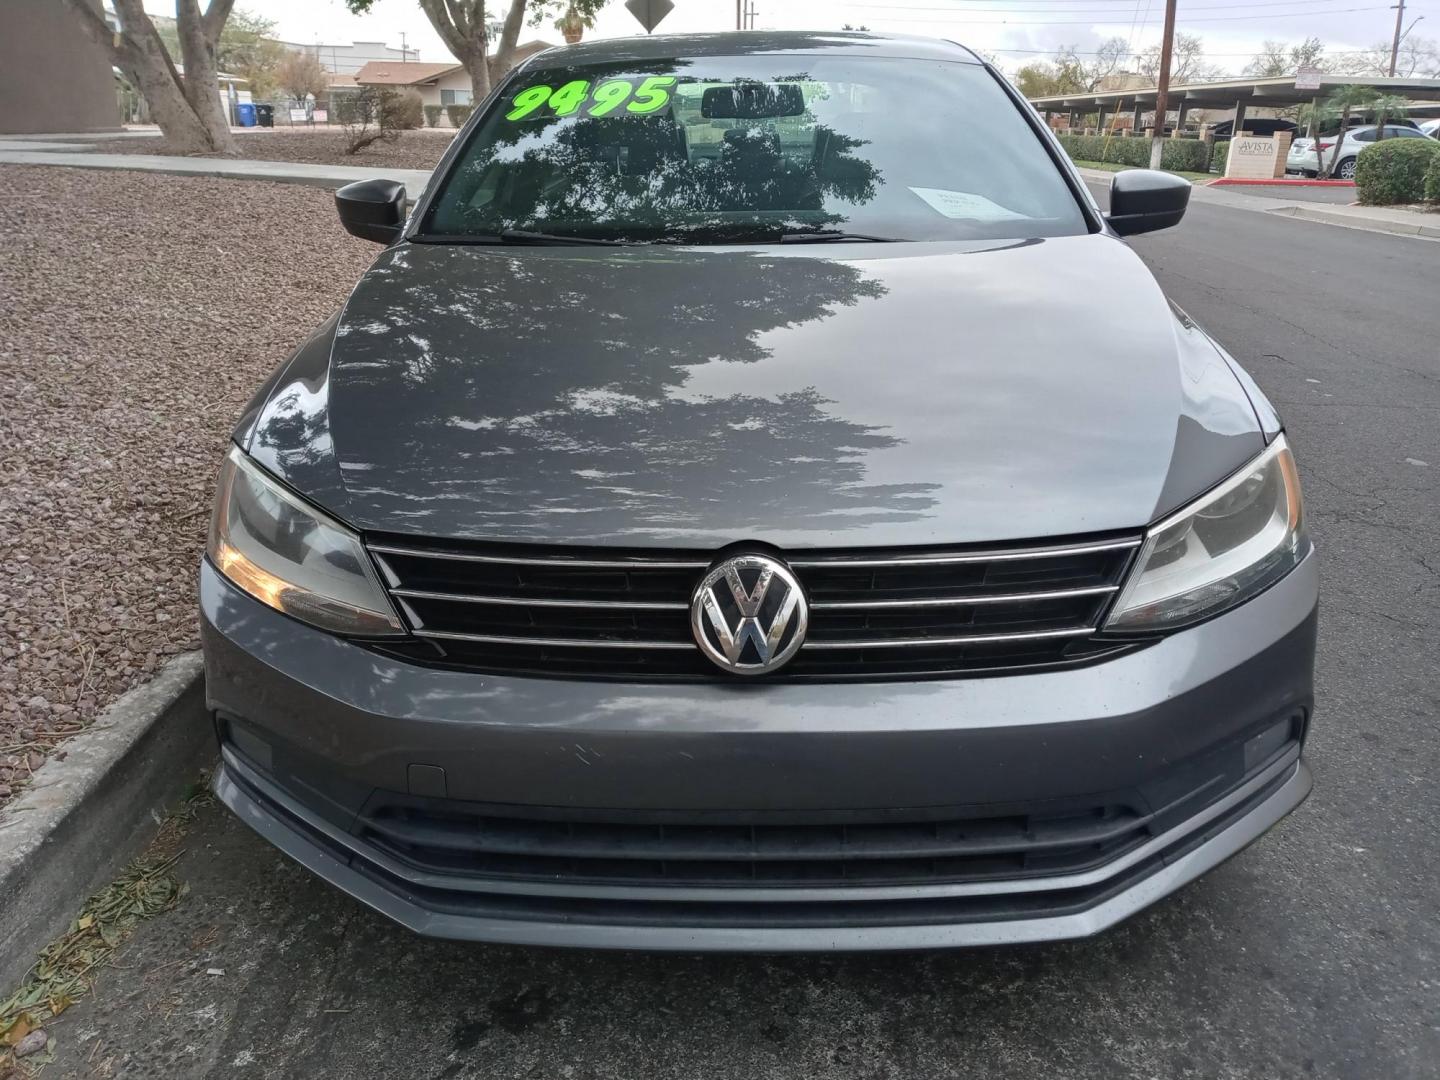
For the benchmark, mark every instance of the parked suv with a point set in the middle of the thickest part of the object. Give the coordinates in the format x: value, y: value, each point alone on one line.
x: 734, y: 513
x: 1302, y: 158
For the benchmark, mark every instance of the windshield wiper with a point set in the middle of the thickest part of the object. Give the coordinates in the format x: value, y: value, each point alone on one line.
x: 524, y: 236
x: 826, y: 236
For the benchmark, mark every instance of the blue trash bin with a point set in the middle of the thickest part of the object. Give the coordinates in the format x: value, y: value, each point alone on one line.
x: 245, y: 114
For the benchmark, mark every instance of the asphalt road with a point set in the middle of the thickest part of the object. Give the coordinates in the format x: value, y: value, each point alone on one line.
x: 1314, y: 953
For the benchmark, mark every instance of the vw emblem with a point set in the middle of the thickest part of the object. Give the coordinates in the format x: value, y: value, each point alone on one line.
x: 749, y: 614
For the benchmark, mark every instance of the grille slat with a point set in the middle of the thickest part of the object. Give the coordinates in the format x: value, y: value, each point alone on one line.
x: 598, y: 613
x: 455, y: 837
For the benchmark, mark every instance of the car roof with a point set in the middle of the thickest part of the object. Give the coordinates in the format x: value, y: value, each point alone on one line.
x: 751, y: 43
x: 1376, y: 127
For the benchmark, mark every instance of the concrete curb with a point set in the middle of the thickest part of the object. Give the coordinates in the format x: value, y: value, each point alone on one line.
x: 280, y: 172
x: 1367, y: 223
x: 1366, y: 219
x: 93, y: 807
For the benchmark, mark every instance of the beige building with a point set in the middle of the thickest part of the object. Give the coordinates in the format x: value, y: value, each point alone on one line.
x: 437, y: 84
x: 53, y: 78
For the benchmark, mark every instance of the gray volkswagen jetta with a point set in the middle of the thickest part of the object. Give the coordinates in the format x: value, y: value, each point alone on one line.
x: 757, y: 501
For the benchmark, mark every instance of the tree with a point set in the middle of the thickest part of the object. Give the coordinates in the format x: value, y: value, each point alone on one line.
x: 1036, y: 79
x: 1187, y: 61
x: 301, y: 74
x: 1277, y: 58
x: 1388, y: 107
x: 1341, y: 102
x: 1074, y: 74
x: 1418, y: 58
x: 247, y: 47
x: 467, y: 31
x: 187, y: 107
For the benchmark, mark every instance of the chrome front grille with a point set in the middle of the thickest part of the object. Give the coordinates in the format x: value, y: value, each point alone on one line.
x: 873, y: 614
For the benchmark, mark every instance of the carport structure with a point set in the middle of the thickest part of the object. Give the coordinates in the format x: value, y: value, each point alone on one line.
x: 1237, y: 95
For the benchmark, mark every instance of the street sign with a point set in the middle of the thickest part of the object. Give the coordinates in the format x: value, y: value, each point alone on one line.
x: 1307, y: 79
x: 650, y: 12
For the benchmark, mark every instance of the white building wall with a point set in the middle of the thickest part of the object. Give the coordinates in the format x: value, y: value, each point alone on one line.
x: 348, y: 59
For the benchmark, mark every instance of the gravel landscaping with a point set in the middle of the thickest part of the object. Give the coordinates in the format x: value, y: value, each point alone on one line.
x: 140, y: 313
x: 419, y: 149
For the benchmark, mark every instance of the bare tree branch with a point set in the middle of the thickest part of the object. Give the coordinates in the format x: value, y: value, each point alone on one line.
x: 215, y: 17
x: 458, y: 17
x: 509, y: 35
x: 438, y: 14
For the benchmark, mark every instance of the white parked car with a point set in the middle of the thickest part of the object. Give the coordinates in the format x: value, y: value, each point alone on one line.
x: 1301, y: 158
x: 1430, y: 127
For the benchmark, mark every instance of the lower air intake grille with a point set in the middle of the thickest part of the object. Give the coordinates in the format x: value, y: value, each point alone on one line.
x: 474, y: 841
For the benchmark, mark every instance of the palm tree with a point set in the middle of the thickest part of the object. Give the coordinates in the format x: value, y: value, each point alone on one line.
x: 1342, y: 101
x: 1388, y: 107
x: 1314, y: 117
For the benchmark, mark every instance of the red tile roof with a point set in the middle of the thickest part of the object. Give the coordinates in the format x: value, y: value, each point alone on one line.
x: 393, y: 73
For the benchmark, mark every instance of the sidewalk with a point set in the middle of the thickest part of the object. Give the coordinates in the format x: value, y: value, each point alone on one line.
x: 54, y: 151
x: 1385, y: 219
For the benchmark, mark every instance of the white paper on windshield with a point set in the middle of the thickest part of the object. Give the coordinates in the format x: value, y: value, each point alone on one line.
x: 966, y: 204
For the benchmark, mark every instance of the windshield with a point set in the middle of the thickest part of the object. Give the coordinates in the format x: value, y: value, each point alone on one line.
x: 754, y: 148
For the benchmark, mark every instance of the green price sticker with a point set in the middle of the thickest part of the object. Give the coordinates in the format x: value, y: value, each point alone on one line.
x: 650, y: 96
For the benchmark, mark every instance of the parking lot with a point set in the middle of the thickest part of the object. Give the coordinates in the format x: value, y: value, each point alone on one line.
x: 1311, y: 954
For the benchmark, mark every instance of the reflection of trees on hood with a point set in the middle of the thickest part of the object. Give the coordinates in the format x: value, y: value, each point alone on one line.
x: 518, y: 329
x: 551, y: 380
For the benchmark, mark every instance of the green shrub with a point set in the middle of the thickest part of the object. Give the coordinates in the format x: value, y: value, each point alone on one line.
x: 345, y: 108
x: 1220, y: 157
x: 1179, y: 155
x: 403, y: 112
x: 1432, y: 179
x: 1393, y: 171
x: 432, y: 115
x: 458, y: 114
x: 1118, y: 149
x: 1185, y: 155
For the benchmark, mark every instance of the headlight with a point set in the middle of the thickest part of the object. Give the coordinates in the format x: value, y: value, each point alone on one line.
x: 293, y: 557
x: 1220, y: 550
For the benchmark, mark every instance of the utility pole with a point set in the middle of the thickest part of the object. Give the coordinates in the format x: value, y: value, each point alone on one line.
x: 404, y: 52
x: 1395, y: 44
x: 1162, y: 86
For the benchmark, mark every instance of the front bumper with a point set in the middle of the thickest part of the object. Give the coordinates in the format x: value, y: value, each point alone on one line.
x: 313, y: 728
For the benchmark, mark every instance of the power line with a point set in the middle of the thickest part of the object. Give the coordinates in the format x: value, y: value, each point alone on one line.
x: 1107, y: 8
x: 1092, y: 52
x: 1310, y: 14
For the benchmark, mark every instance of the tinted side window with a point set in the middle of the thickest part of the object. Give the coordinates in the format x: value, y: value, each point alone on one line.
x: 1401, y: 133
x: 1364, y: 136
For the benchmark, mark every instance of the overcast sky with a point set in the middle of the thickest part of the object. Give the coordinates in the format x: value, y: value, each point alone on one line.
x: 1015, y: 30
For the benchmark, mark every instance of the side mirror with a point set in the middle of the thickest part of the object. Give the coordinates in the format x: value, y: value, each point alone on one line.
x: 372, y: 209
x: 1143, y: 200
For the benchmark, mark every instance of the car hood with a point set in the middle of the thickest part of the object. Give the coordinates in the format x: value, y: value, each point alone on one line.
x: 859, y: 394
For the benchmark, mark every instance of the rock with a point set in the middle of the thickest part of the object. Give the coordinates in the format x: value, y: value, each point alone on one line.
x: 33, y: 1043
